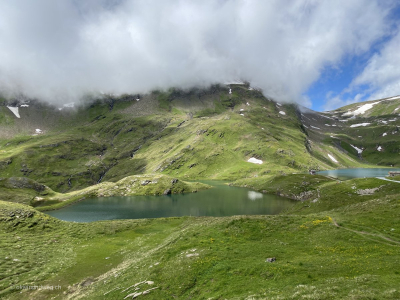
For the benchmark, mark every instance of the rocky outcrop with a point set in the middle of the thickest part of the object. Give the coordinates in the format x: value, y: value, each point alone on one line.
x: 367, y: 191
x: 306, y: 195
x: 22, y: 183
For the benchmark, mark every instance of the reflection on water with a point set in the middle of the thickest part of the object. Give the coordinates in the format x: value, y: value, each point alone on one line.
x: 221, y: 200
x: 254, y: 195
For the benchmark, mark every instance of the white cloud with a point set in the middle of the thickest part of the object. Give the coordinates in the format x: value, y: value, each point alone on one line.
x: 382, y: 73
x: 334, y: 102
x: 57, y: 50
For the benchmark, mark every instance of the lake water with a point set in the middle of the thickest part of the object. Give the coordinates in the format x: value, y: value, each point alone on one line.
x: 357, y: 172
x: 221, y: 200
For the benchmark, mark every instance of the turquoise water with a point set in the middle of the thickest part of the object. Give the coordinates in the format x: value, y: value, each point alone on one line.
x: 357, y: 172
x: 221, y: 200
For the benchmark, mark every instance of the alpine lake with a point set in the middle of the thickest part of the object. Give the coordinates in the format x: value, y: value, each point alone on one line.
x: 220, y: 200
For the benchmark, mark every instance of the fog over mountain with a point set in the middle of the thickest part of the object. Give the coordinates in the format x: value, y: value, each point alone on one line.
x: 59, y: 50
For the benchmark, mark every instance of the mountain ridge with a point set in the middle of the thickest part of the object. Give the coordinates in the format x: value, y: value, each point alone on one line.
x: 190, y: 134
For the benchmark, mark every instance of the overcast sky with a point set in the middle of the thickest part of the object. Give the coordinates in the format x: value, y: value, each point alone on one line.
x: 322, y: 54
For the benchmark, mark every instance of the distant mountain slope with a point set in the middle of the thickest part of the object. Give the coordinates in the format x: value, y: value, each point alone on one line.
x: 367, y: 131
x: 192, y: 134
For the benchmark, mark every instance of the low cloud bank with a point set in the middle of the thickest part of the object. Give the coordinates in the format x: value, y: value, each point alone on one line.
x: 59, y: 50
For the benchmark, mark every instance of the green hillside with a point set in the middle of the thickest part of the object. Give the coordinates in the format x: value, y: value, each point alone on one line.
x: 339, y: 241
x: 187, y: 134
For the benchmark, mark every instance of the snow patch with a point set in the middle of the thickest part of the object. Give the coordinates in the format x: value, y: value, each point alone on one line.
x: 332, y: 158
x: 14, y: 111
x: 379, y: 148
x: 234, y: 82
x: 255, y: 161
x: 384, y: 122
x: 361, y: 124
x: 393, y: 98
x: 68, y: 105
x: 361, y: 110
x: 38, y: 131
x: 392, y: 120
x: 242, y: 115
x: 327, y: 125
x: 359, y: 151
x: 278, y: 104
x: 326, y: 117
x: 384, y: 134
x: 247, y: 103
x: 315, y: 127
x: 24, y: 105
x: 230, y: 91
x: 282, y: 113
x: 241, y: 109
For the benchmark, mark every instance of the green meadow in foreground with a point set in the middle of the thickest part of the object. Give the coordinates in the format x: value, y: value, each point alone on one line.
x: 343, y: 244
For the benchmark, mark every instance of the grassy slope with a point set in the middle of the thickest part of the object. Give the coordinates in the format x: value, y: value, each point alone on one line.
x: 215, y: 257
x: 194, y: 134
x: 337, y: 244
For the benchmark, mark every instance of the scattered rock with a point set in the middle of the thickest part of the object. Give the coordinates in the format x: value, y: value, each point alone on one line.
x: 87, y: 282
x: 145, y: 182
x: 167, y: 192
x: 173, y: 181
x: 270, y: 259
x: 367, y: 191
x: 304, y: 195
x: 192, y: 254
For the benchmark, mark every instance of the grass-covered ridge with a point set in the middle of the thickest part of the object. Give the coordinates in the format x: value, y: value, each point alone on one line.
x: 24, y: 190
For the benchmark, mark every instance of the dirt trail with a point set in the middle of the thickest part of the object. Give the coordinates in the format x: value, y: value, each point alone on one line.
x: 366, y: 233
x: 383, y: 178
